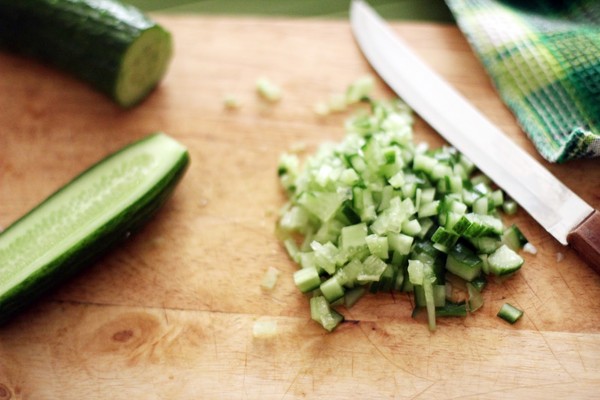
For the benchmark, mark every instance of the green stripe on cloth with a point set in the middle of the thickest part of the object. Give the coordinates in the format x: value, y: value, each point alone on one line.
x: 544, y: 59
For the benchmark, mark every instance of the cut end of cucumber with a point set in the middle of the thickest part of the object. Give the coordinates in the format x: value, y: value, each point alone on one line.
x: 143, y: 66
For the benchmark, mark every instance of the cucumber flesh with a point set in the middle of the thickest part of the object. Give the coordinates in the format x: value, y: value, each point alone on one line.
x: 86, y: 217
x: 504, y: 261
x: 143, y: 65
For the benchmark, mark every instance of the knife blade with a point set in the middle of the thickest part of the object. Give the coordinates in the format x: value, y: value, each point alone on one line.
x: 555, y: 207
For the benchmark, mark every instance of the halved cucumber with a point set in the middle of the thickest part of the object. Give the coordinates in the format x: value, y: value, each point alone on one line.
x: 111, y: 45
x: 86, y: 217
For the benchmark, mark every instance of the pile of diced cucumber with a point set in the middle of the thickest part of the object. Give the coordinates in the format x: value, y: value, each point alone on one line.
x: 379, y: 213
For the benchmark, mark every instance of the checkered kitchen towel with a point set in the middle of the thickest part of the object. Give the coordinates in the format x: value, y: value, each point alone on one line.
x: 544, y: 59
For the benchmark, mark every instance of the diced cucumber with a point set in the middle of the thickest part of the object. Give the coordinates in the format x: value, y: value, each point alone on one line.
x: 353, y: 295
x: 473, y: 225
x: 411, y: 227
x: 497, y: 198
x: 385, y: 279
x: 353, y: 236
x: 452, y: 310
x: 324, y: 205
x: 439, y: 296
x: 510, y: 207
x: 400, y: 243
x: 479, y: 283
x: 332, y: 289
x: 486, y: 244
x: 475, y: 299
x: 325, y: 256
x: 372, y: 268
x: 422, y: 162
x: 383, y: 214
x: 321, y: 312
x: 481, y: 206
x: 463, y: 262
x: 307, y: 279
x: 504, y: 261
x: 510, y: 313
x: 378, y: 246
x: 444, y: 237
x: 514, y: 238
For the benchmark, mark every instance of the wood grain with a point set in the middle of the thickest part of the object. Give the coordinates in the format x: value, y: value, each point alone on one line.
x: 169, y: 314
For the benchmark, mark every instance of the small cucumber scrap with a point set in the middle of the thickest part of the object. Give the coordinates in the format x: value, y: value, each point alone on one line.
x: 510, y: 313
x: 86, y: 217
x: 111, y: 45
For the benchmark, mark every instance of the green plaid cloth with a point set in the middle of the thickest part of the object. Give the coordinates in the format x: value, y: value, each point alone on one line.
x: 544, y: 58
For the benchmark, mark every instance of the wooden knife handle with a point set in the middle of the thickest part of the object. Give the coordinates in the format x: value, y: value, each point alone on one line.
x: 585, y: 239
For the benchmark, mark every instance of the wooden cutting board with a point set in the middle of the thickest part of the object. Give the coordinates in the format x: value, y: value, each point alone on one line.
x: 169, y: 314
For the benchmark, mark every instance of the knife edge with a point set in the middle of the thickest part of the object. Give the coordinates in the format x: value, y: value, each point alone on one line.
x: 451, y: 115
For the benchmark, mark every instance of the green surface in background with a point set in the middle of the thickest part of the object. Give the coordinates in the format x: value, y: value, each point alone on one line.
x: 422, y: 10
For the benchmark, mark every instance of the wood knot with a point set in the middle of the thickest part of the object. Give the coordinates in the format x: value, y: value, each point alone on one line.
x: 5, y: 393
x: 123, y: 336
x: 124, y: 333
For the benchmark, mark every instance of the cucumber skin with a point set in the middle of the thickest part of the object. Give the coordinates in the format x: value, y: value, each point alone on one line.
x: 85, y: 38
x: 93, y: 247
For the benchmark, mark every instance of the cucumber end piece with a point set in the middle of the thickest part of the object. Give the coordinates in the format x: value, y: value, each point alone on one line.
x: 143, y: 66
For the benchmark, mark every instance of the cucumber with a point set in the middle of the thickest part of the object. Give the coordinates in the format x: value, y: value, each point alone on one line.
x: 463, y: 262
x: 81, y: 221
x: 504, y: 261
x: 112, y: 46
x: 510, y: 313
x: 514, y: 238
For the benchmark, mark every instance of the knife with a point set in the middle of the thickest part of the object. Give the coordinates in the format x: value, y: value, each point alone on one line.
x: 561, y: 212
